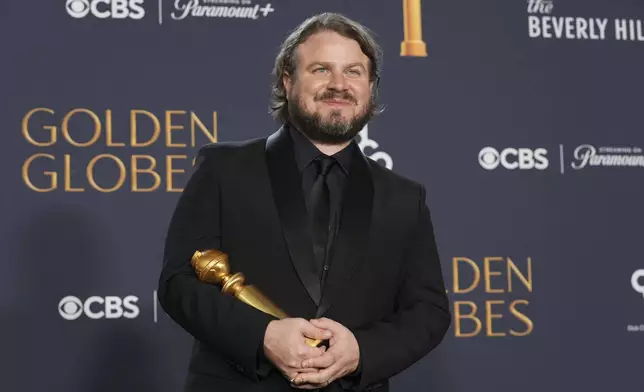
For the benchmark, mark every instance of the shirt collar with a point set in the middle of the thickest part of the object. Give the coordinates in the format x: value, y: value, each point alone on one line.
x: 305, y: 151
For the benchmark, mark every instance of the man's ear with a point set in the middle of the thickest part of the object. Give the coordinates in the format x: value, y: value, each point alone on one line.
x: 287, y: 83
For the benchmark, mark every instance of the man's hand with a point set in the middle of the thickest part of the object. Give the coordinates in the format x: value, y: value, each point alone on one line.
x: 342, y: 357
x: 285, y: 346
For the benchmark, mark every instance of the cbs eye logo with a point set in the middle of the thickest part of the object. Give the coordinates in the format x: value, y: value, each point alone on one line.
x: 78, y: 8
x: 110, y: 307
x: 514, y: 158
x: 635, y: 281
x: 365, y: 142
x: 103, y: 9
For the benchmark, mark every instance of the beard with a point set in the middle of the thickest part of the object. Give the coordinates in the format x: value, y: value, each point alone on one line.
x: 334, y: 129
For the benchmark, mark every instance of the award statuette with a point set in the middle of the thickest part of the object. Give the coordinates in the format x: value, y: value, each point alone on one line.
x: 212, y: 267
x: 413, y: 45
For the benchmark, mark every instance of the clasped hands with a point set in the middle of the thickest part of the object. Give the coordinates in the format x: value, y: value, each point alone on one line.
x: 309, y: 367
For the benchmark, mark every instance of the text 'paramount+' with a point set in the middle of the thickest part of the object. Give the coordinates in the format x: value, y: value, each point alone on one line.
x: 587, y: 155
x: 235, y: 9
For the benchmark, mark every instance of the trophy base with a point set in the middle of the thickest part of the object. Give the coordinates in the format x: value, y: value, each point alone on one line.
x: 415, y: 48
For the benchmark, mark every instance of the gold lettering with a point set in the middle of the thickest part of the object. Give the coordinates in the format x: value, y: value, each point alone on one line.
x: 150, y: 170
x: 108, y: 130
x: 169, y: 171
x: 133, y: 128
x: 51, y: 174
x: 522, y: 317
x: 50, y: 128
x: 488, y: 274
x: 471, y: 316
x: 68, y: 176
x: 169, y: 128
x: 477, y: 275
x: 90, y: 173
x: 526, y: 282
x: 195, y: 120
x: 97, y: 128
x: 489, y: 316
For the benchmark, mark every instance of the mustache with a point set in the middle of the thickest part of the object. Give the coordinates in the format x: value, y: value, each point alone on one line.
x: 336, y: 95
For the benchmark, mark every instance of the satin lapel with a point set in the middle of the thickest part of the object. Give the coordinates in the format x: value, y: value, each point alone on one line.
x: 355, y: 224
x: 287, y: 193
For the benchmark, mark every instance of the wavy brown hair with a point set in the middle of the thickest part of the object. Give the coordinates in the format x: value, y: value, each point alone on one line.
x: 286, y: 61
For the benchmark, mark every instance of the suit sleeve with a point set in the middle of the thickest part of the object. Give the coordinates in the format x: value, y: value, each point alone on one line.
x: 224, y: 323
x: 422, y: 316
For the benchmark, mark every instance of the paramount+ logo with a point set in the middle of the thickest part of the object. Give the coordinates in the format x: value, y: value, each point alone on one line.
x: 96, y: 308
x: 514, y: 158
x: 105, y: 9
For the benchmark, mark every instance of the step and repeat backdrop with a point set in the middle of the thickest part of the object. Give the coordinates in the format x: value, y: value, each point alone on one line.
x: 523, y: 119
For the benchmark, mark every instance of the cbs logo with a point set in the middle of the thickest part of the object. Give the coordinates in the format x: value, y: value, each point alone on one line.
x: 103, y: 9
x: 365, y: 142
x: 110, y: 307
x: 635, y: 281
x: 514, y: 158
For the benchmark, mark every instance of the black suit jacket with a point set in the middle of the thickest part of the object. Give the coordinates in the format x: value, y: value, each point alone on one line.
x: 385, y: 282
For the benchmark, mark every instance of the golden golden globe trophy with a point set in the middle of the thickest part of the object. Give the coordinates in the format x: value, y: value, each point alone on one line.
x: 413, y: 45
x: 212, y: 267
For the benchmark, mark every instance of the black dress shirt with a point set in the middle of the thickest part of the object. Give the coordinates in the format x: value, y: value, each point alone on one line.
x: 305, y: 154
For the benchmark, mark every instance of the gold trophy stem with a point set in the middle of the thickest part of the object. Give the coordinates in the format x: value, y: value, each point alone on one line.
x: 253, y: 297
x: 212, y: 267
x: 413, y: 45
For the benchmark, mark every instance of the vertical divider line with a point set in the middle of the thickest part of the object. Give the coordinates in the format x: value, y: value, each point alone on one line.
x: 154, y: 301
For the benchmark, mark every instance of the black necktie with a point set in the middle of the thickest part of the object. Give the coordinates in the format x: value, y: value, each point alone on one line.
x: 320, y: 211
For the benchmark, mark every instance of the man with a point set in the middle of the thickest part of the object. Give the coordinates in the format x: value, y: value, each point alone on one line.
x: 343, y: 245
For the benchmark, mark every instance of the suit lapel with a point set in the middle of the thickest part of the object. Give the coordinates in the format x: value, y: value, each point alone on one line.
x: 355, y: 223
x: 287, y: 192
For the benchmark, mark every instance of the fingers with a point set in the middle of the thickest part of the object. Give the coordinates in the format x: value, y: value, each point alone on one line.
x: 328, y: 324
x: 307, y: 386
x: 311, y: 331
x: 323, y: 361
x: 321, y: 378
x: 291, y: 376
x: 323, y: 322
x: 291, y: 373
x: 294, y: 365
x: 305, y: 352
x: 308, y: 370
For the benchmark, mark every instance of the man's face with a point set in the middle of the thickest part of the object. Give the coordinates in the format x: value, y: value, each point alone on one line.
x: 329, y: 96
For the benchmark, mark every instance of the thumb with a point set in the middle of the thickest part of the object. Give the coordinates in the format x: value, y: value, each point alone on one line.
x: 324, y: 323
x: 313, y: 332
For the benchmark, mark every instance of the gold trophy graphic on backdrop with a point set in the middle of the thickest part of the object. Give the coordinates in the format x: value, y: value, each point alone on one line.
x: 212, y: 266
x: 413, y: 45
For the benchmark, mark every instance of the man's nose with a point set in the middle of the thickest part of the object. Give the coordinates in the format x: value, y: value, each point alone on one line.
x: 338, y: 81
